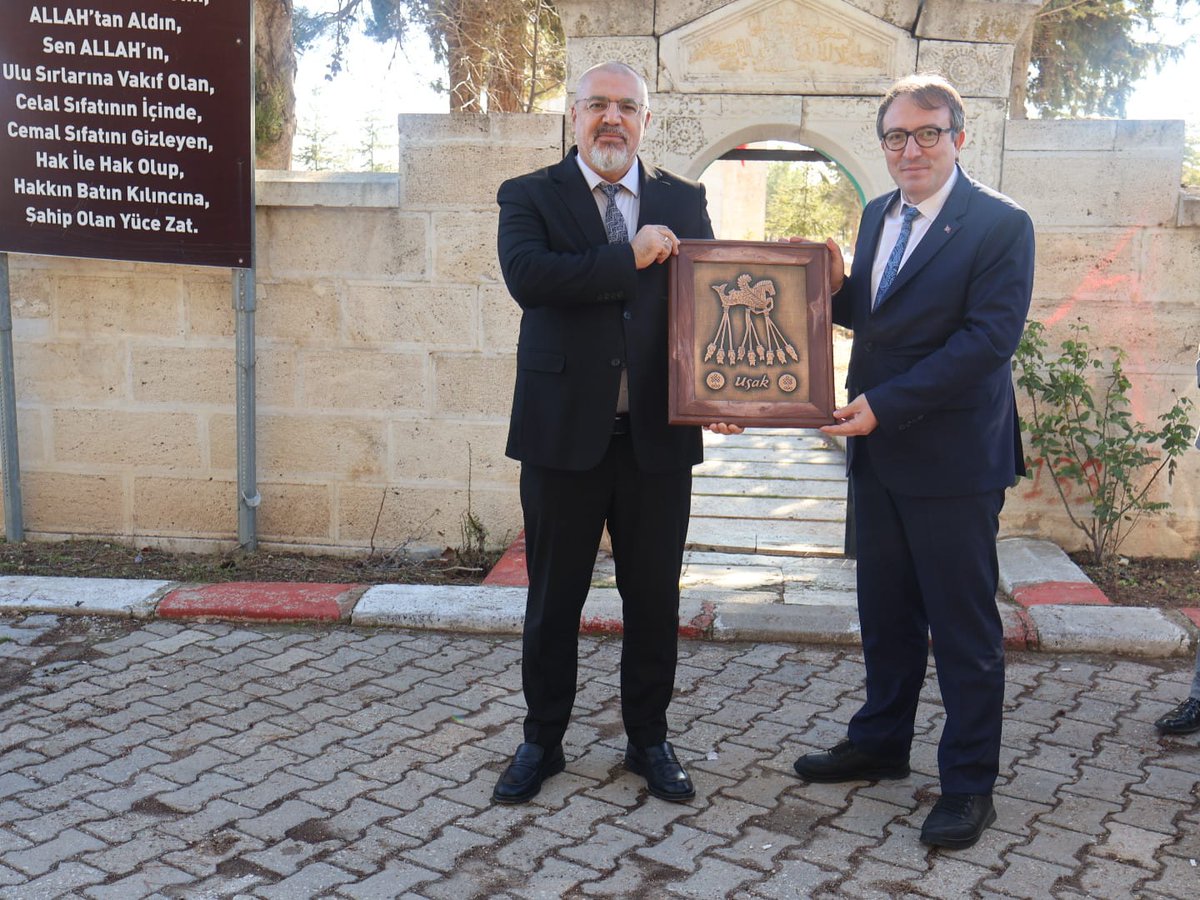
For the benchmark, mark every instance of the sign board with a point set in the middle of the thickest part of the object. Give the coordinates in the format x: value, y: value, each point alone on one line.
x: 126, y: 130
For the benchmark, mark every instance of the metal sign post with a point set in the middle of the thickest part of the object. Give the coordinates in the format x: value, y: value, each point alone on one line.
x: 14, y: 526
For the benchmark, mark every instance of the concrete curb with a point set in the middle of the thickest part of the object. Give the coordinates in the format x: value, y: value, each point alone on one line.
x: 1054, y: 607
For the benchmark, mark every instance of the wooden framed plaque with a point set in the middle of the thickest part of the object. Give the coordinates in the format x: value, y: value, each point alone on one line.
x: 751, y: 334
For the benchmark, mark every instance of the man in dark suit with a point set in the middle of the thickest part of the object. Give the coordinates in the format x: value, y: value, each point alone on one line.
x: 582, y: 246
x: 940, y: 288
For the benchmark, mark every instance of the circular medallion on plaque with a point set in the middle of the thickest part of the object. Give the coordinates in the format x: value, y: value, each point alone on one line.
x: 715, y: 380
x: 787, y: 383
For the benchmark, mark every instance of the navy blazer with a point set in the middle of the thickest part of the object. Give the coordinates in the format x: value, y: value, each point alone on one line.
x: 934, y: 357
x: 588, y: 311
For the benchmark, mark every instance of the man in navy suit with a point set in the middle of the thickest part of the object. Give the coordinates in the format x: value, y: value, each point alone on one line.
x: 937, y: 299
x: 582, y: 246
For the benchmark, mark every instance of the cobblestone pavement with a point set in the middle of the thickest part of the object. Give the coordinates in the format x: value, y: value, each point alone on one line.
x: 168, y: 759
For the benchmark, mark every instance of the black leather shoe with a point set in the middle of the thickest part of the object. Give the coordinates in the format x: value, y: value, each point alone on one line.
x: 531, y: 765
x: 664, y: 776
x: 1183, y: 719
x: 957, y: 820
x: 847, y: 763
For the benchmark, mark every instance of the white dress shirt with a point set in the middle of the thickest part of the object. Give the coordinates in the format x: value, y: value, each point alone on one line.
x: 929, y: 208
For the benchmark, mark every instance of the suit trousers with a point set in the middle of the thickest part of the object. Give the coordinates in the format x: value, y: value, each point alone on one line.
x: 565, y: 512
x: 927, y: 566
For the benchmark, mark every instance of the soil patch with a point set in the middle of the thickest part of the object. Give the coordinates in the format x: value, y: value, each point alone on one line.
x: 1146, y: 581
x: 106, y: 559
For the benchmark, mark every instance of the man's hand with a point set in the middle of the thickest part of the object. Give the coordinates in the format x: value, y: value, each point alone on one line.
x: 653, y: 244
x: 723, y: 428
x: 837, y: 265
x: 853, y: 419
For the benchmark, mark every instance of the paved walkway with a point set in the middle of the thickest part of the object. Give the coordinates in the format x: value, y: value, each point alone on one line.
x: 175, y: 759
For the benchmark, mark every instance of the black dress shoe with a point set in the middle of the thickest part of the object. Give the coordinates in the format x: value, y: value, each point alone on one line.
x: 847, y: 763
x: 957, y: 820
x: 664, y: 776
x: 531, y: 765
x: 1183, y: 719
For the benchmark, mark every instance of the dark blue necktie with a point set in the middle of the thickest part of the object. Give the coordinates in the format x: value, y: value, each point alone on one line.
x: 893, y: 263
x: 614, y: 222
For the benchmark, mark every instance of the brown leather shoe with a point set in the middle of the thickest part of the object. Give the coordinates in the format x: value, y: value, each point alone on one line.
x: 847, y: 763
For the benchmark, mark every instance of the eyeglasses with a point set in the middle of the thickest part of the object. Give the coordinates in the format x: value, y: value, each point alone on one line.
x: 897, y: 138
x: 598, y: 106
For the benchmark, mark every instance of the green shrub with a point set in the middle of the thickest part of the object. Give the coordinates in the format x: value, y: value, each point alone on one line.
x: 1081, y: 426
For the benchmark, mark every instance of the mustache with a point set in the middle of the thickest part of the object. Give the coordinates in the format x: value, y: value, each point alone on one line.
x: 612, y: 130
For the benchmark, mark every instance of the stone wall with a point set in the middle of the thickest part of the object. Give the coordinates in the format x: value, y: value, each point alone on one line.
x: 1118, y: 250
x: 386, y: 340
x: 385, y: 360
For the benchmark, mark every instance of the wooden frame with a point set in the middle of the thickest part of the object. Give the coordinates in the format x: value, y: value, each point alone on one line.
x: 751, y: 334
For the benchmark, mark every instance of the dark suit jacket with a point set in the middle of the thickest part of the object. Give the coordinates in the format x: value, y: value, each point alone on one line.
x: 934, y: 358
x: 587, y: 312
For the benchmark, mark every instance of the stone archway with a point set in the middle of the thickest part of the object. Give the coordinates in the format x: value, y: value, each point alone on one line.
x: 725, y: 72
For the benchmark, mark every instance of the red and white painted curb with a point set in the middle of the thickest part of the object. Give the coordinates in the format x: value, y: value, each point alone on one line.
x: 1053, y: 607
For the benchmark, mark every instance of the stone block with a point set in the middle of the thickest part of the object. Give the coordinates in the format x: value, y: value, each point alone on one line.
x: 1084, y: 265
x: 464, y: 247
x: 639, y: 53
x: 982, y: 157
x: 340, y: 190
x: 416, y: 514
x: 473, y: 385
x: 309, y: 446
x: 1159, y: 339
x: 124, y: 439
x: 788, y: 47
x: 979, y: 21
x: 369, y: 244
x: 118, y: 305
x: 200, y: 507
x: 478, y: 170
x: 29, y: 289
x: 344, y: 380
x: 70, y: 372
x: 1189, y: 209
x: 438, y: 128
x: 77, y: 504
x: 208, y: 308
x: 31, y: 440
x: 533, y: 131
x: 183, y: 375
x: 501, y: 319
x: 417, y: 315
x: 1071, y: 135
x: 473, y: 450
x: 1171, y: 269
x: 305, y: 311
x: 295, y: 511
x: 844, y: 128
x: 275, y: 381
x: 602, y: 18
x: 1062, y: 190
x: 975, y: 70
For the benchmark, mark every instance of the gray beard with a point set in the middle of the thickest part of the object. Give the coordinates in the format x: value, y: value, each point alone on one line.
x: 609, y: 159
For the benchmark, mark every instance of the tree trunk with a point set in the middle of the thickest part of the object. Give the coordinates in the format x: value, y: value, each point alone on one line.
x: 1022, y: 56
x: 274, y: 84
x: 507, y: 76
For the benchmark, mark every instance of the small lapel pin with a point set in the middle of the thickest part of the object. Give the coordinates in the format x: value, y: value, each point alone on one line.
x: 947, y: 229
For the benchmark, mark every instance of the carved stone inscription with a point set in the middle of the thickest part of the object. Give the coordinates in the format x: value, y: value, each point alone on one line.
x: 125, y: 130
x: 800, y: 45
